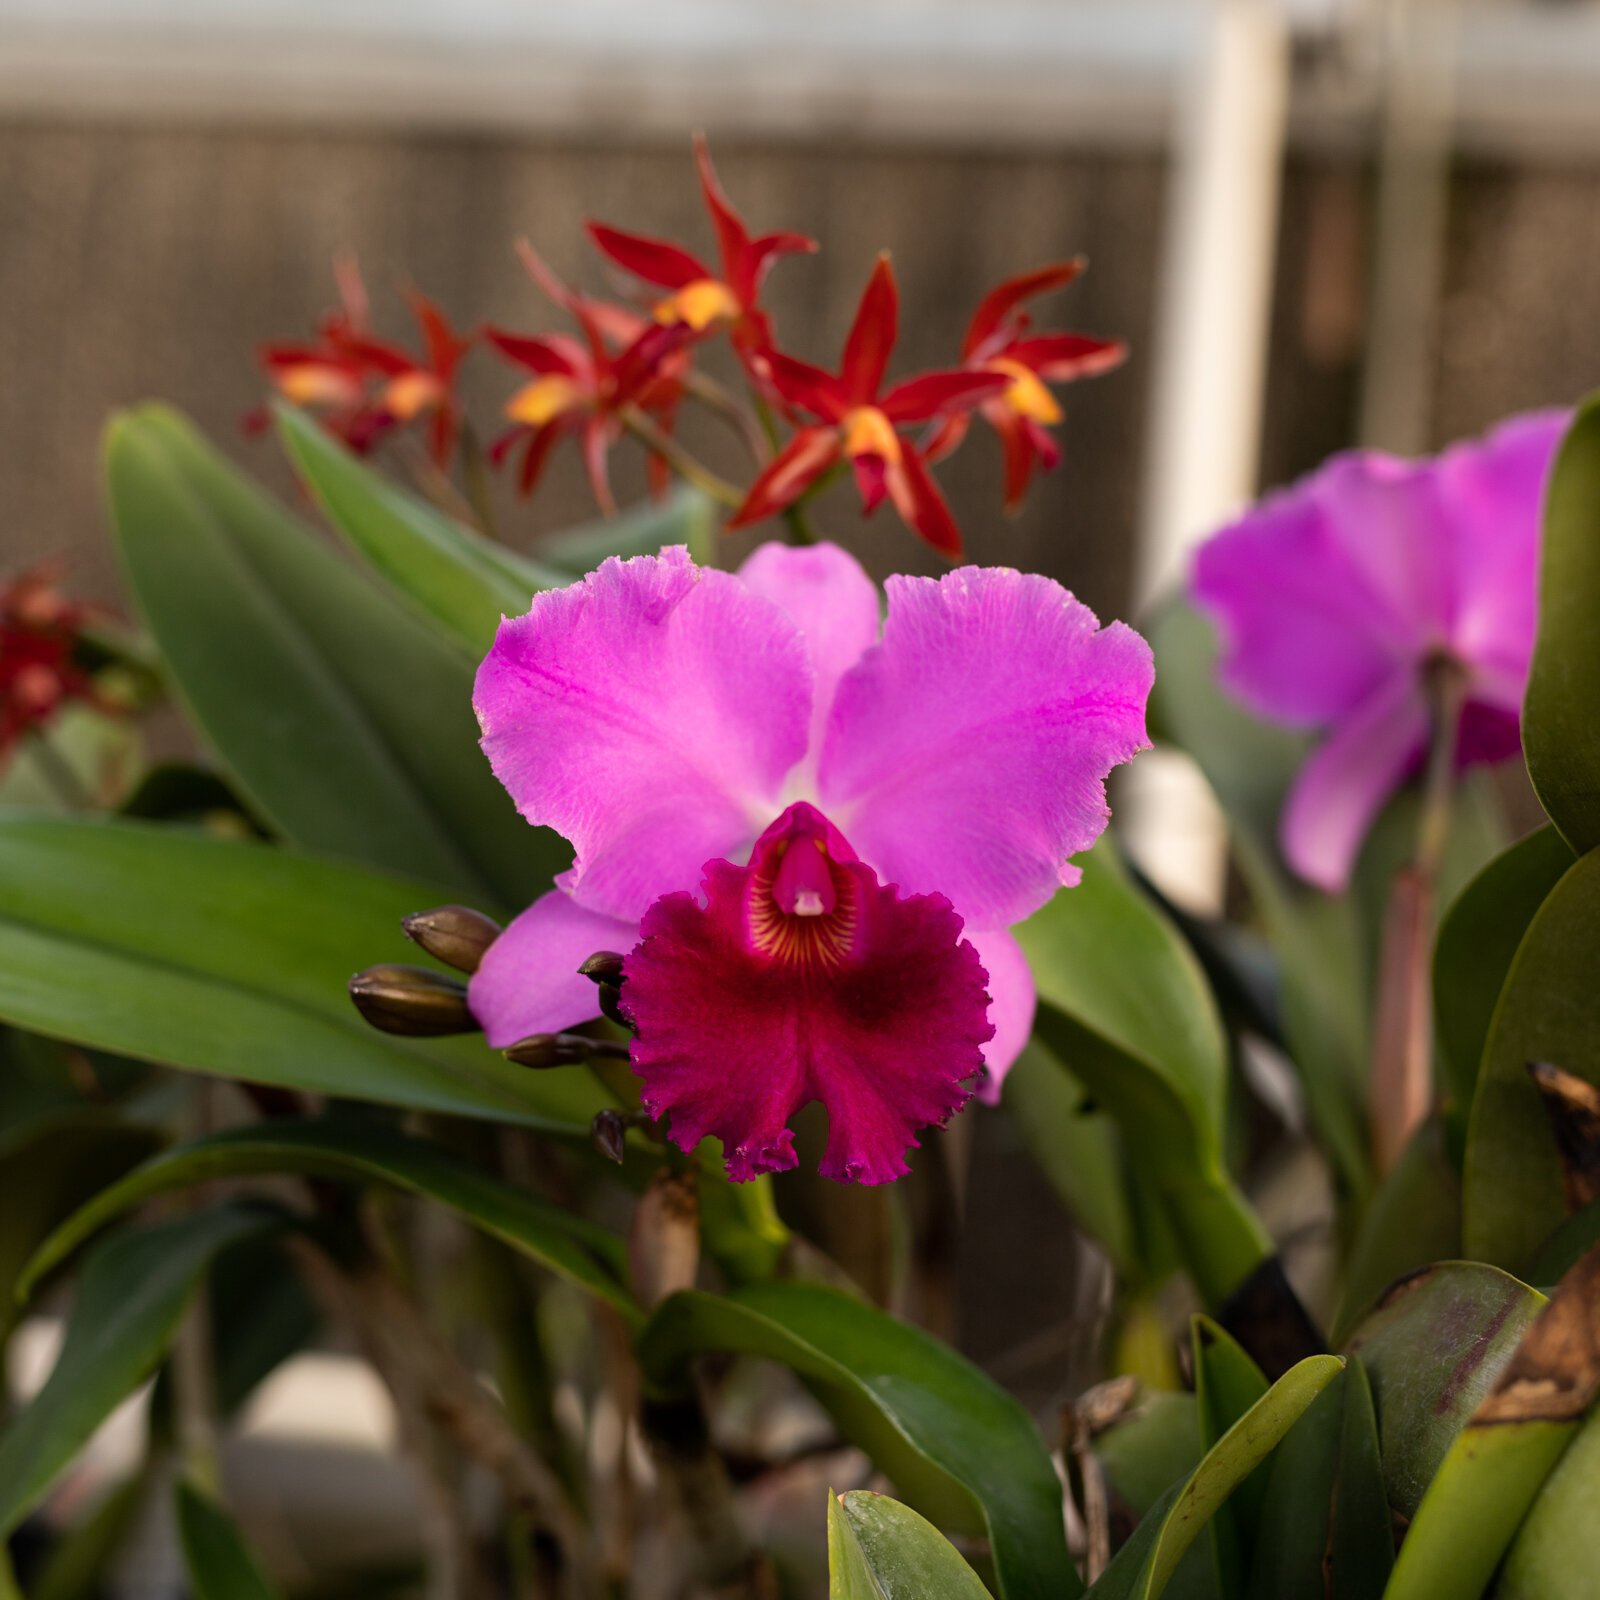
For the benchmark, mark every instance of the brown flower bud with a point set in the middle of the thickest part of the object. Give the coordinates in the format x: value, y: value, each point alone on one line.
x: 455, y: 935
x: 414, y: 1001
x: 540, y: 1050
x: 604, y: 966
x: 609, y: 1131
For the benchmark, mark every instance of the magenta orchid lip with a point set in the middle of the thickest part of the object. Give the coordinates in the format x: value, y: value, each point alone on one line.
x: 866, y: 816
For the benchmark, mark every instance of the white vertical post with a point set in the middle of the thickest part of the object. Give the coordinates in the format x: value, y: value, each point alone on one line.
x: 1219, y: 254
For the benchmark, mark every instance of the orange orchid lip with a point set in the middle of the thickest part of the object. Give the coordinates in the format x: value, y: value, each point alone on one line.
x: 866, y: 431
x: 700, y: 304
x: 543, y: 400
x: 1026, y: 394
x: 314, y: 383
x: 412, y: 393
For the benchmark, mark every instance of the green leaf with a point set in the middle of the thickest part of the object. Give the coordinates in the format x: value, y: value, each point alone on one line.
x: 1361, y: 1543
x: 1478, y: 939
x: 1228, y: 1463
x: 1560, y: 731
x: 129, y: 1299
x: 1227, y: 1383
x: 218, y: 1562
x: 1549, y: 1010
x: 1153, y: 1446
x: 1126, y: 1007
x: 1412, y: 1221
x: 1291, y: 1537
x: 686, y: 516
x: 345, y: 720
x: 879, y: 1549
x: 1432, y: 1348
x: 353, y: 1151
x: 456, y: 579
x: 1556, y: 1552
x: 260, y: 1313
x: 49, y: 1167
x: 955, y: 1445
x: 232, y: 958
x: 1078, y: 1150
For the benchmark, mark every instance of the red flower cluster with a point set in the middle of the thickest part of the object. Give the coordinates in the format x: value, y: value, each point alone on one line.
x: 39, y: 635
x: 629, y: 370
x: 365, y: 388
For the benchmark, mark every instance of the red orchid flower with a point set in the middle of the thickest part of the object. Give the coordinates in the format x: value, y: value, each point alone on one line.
x: 582, y: 387
x: 365, y: 387
x: 39, y: 631
x: 862, y: 426
x: 998, y: 340
x: 701, y: 297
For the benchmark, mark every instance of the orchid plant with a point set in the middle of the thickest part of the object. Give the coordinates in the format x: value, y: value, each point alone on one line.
x: 578, y: 964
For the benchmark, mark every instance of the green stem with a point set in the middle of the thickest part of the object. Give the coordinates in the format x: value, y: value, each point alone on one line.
x: 679, y: 459
x: 718, y: 400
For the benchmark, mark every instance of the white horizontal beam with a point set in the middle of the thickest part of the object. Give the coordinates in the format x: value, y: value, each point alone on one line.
x: 1001, y: 72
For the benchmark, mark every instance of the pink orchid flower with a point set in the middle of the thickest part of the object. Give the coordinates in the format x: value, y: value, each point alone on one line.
x: 864, y: 818
x: 1336, y: 596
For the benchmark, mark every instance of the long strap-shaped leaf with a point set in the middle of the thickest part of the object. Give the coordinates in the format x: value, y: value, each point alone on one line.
x: 955, y: 1444
x: 879, y: 1548
x: 233, y: 958
x: 568, y: 1244
x: 130, y: 1297
x: 344, y: 717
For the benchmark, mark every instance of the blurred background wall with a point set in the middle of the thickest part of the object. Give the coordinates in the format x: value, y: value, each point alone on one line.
x: 175, y: 180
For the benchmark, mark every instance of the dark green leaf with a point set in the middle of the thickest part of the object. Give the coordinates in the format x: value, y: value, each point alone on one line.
x: 954, y: 1444
x: 260, y: 1314
x: 132, y: 1292
x: 1560, y: 730
x: 49, y: 1167
x: 219, y: 1564
x: 77, y: 1565
x: 232, y: 958
x: 879, y: 1549
x: 1228, y: 1463
x: 1291, y: 1536
x: 357, y: 1151
x: 1125, y: 1005
x: 346, y: 721
x: 1477, y: 942
x: 1078, y: 1150
x: 1433, y: 1347
x: 460, y: 582
x: 1549, y: 1010
x: 1361, y: 1544
x: 1227, y: 1383
x: 1414, y: 1219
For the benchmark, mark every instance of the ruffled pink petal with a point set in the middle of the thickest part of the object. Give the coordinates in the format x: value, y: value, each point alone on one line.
x: 1344, y: 783
x: 1012, y: 1003
x: 803, y: 978
x: 967, y: 753
x: 528, y: 980
x: 833, y: 603
x: 1304, y: 639
x: 649, y: 714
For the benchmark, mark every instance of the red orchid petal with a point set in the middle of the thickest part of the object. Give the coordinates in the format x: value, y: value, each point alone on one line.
x: 641, y: 362
x: 388, y: 359
x: 872, y: 481
x: 997, y: 305
x: 1045, y: 444
x: 541, y: 441
x: 542, y: 353
x: 922, y: 507
x: 1061, y: 357
x: 582, y: 312
x: 444, y: 345
x: 872, y: 335
x: 503, y: 444
x: 733, y: 239
x: 828, y: 984
x: 946, y: 436
x: 598, y: 434
x: 806, y: 386
x: 759, y: 257
x: 932, y: 393
x: 442, y: 433
x: 657, y: 261
x: 784, y: 479
x: 1017, y: 451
